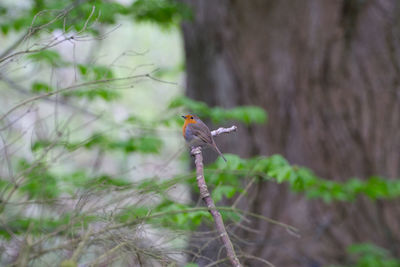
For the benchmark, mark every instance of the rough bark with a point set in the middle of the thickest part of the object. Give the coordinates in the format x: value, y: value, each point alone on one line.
x: 328, y: 74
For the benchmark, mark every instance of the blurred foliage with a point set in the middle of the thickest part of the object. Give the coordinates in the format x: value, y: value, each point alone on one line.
x: 369, y: 255
x: 38, y: 87
x: 37, y: 226
x: 276, y: 168
x: 167, y: 214
x: 38, y: 184
x: 50, y: 57
x: 91, y: 93
x: 163, y: 12
x: 245, y: 114
x: 142, y: 144
x: 95, y: 72
x: 86, y: 14
x: 225, y: 178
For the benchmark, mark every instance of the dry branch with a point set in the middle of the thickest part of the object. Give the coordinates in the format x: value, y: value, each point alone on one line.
x: 205, y: 195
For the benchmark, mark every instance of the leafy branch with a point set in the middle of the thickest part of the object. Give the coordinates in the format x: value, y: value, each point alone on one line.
x: 276, y: 168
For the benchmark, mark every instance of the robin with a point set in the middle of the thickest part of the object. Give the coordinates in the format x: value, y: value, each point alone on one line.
x: 196, y: 133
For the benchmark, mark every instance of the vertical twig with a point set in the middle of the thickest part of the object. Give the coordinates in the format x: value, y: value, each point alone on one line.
x: 205, y: 195
x: 73, y: 261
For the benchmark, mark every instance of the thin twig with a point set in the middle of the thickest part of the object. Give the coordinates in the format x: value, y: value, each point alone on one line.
x: 107, y: 254
x: 205, y: 195
x: 223, y: 130
x: 79, y: 250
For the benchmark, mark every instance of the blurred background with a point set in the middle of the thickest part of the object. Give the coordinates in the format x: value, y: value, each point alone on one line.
x: 94, y: 170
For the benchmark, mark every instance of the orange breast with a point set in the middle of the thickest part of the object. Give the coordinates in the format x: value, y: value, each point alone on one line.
x: 187, y: 122
x: 184, y: 128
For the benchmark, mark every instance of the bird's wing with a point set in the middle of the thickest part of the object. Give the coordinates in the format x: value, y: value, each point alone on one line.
x: 201, y: 130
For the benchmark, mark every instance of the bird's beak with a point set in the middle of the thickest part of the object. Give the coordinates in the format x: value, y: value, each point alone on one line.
x: 183, y: 117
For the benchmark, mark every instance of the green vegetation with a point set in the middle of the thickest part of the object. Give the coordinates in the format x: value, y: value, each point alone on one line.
x: 369, y: 255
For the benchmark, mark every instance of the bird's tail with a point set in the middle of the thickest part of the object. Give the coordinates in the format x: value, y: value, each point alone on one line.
x: 219, y: 152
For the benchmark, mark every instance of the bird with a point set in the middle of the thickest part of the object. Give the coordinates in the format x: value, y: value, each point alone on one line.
x: 196, y: 133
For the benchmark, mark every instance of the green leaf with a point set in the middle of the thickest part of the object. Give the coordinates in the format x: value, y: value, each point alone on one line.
x: 376, y: 188
x: 283, y: 174
x: 249, y: 114
x: 102, y: 72
x: 50, y: 57
x: 107, y: 180
x: 260, y: 165
x: 370, y: 255
x: 221, y: 191
x: 72, y: 181
x: 38, y: 183
x: 20, y: 22
x: 3, y: 10
x: 233, y: 162
x: 38, y: 87
x: 83, y: 69
x: 40, y: 144
x: 132, y: 213
x: 95, y: 72
x: 163, y: 12
x: 5, y: 28
x: 366, y: 248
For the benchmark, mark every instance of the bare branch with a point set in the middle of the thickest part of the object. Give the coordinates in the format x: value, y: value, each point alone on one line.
x: 205, y: 195
x: 223, y: 130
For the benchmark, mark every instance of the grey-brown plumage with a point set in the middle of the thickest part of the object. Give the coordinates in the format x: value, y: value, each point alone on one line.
x: 196, y: 133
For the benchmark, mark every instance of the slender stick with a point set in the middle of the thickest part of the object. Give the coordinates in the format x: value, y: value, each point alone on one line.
x: 205, y: 195
x: 223, y: 130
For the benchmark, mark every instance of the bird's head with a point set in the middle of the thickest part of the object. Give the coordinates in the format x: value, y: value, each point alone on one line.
x: 190, y: 118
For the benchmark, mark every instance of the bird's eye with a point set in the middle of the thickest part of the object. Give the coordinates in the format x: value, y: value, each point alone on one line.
x: 191, y: 118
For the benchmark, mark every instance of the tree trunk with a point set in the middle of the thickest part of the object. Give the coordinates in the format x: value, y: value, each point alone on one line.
x: 327, y: 72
